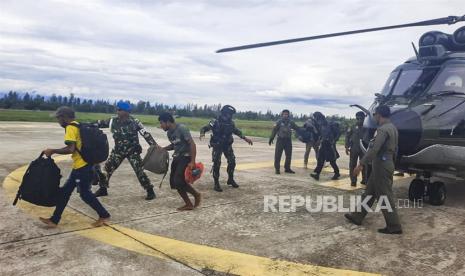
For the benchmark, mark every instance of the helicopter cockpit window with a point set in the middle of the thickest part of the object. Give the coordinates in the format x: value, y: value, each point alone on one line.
x: 390, y: 83
x: 405, y: 80
x: 451, y: 79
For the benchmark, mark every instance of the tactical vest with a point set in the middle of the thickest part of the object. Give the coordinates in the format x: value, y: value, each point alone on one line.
x: 284, y: 130
x: 222, y: 132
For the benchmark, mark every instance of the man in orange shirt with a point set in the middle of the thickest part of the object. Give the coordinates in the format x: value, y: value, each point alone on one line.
x: 81, y: 175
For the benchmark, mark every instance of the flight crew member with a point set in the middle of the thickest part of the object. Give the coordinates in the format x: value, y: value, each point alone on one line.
x: 184, y: 155
x: 381, y: 154
x: 221, y: 142
x: 329, y: 136
x: 125, y: 130
x: 352, y: 145
x: 283, y: 128
x: 314, y: 141
x: 81, y: 175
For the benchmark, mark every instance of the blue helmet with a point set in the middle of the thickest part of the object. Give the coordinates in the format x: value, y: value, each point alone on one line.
x: 125, y: 106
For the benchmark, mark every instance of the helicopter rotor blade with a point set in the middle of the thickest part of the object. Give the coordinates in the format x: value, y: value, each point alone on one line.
x: 439, y: 21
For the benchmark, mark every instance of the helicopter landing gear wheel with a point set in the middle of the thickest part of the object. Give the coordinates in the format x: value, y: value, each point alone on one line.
x: 437, y: 193
x: 416, y: 190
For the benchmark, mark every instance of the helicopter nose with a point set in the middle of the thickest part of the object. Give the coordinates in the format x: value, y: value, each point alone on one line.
x: 409, y: 126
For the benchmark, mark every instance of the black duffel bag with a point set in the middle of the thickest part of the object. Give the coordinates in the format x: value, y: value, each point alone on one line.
x: 40, y: 183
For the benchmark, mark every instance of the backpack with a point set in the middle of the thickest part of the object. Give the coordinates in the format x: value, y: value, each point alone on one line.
x: 156, y: 160
x: 40, y: 183
x: 335, y: 130
x: 304, y: 135
x: 95, y: 148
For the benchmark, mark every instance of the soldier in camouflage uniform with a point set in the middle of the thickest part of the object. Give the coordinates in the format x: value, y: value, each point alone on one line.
x: 125, y: 130
x: 221, y: 141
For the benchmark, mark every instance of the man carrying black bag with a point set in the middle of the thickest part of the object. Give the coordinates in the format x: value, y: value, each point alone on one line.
x: 81, y: 175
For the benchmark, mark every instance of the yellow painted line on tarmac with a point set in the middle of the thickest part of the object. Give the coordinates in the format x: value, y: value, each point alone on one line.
x: 193, y: 255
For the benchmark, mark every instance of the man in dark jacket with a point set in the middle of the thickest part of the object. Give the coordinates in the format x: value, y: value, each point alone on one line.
x: 329, y: 136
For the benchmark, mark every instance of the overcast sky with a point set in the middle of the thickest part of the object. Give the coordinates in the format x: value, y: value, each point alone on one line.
x: 164, y: 51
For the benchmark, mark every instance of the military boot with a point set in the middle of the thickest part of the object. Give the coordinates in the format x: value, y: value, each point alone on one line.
x: 150, y: 194
x: 232, y: 182
x: 217, y: 185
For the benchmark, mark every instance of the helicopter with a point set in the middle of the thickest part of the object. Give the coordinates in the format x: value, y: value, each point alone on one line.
x: 426, y: 95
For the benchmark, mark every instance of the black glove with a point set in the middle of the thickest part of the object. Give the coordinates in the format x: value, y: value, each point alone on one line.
x: 270, y: 142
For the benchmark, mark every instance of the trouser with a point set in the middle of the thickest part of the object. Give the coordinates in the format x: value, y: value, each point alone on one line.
x: 380, y: 184
x: 308, y: 149
x: 321, y: 163
x: 114, y: 161
x: 217, y: 152
x: 283, y: 144
x: 355, y: 156
x: 81, y: 178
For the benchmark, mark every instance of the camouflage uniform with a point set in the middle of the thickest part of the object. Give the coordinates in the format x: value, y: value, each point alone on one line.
x: 126, y: 136
x: 221, y: 141
x: 314, y: 141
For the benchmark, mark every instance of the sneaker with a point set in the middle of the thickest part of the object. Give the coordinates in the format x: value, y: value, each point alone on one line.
x: 289, y: 171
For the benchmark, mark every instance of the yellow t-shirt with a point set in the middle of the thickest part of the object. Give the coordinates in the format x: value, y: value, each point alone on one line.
x: 72, y: 135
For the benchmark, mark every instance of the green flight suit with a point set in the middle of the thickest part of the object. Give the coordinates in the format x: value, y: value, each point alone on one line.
x: 381, y: 154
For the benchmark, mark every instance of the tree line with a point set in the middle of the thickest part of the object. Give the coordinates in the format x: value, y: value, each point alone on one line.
x: 32, y: 101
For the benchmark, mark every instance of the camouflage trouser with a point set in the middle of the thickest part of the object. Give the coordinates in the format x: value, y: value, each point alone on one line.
x: 228, y: 151
x: 308, y: 149
x: 115, y: 160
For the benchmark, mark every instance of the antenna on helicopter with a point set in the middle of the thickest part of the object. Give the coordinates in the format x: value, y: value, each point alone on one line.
x: 439, y: 21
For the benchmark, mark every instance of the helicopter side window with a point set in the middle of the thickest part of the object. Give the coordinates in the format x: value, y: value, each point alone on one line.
x: 451, y: 79
x: 390, y: 83
x: 405, y: 80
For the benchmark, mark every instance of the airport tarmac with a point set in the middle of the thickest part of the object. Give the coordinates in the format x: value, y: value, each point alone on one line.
x: 229, y: 234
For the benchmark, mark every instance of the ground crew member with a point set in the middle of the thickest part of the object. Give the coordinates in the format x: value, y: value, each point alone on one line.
x: 184, y: 155
x: 283, y: 128
x: 352, y: 144
x: 221, y: 142
x: 381, y: 154
x: 314, y: 141
x: 81, y: 175
x: 329, y: 136
x: 125, y: 130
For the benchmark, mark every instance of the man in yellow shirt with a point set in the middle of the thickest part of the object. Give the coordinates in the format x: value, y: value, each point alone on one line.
x: 81, y: 175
